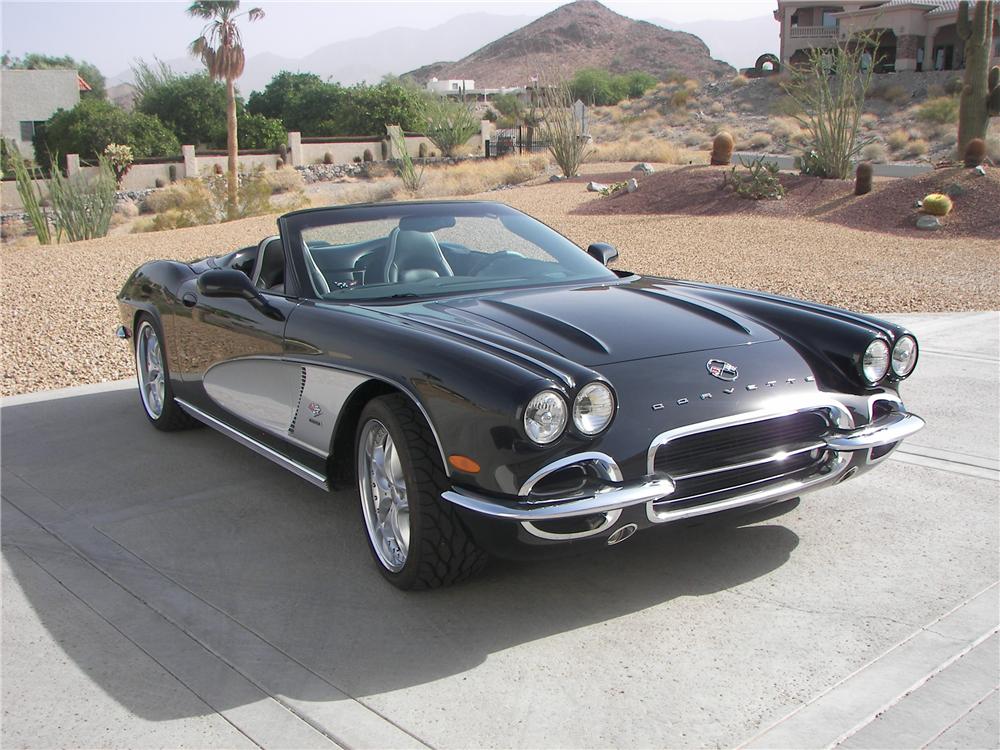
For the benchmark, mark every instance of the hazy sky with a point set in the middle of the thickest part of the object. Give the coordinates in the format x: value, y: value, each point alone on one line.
x: 112, y: 34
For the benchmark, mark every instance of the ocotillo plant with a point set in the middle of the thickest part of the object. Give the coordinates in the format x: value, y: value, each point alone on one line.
x: 976, y: 99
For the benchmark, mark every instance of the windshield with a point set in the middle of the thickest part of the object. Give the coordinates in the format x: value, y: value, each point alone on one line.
x: 420, y: 250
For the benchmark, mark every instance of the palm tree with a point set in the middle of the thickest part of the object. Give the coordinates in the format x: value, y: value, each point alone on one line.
x: 221, y: 49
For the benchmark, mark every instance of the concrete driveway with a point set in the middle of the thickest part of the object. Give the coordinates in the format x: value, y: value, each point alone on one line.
x: 175, y: 590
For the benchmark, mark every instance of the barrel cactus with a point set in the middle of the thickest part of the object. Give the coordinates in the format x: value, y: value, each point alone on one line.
x: 367, y: 156
x: 722, y: 149
x: 863, y: 179
x: 172, y: 172
x: 937, y: 204
x: 422, y: 151
x: 975, y: 152
x: 328, y: 158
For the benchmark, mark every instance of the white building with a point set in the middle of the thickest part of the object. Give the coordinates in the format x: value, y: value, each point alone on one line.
x: 451, y: 85
x: 30, y: 97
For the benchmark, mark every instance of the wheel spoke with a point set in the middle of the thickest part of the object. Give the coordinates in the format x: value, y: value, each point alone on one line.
x: 382, y: 485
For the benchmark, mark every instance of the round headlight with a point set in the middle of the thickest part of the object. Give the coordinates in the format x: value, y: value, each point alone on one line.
x: 904, y: 356
x: 593, y: 408
x: 875, y: 362
x: 545, y: 417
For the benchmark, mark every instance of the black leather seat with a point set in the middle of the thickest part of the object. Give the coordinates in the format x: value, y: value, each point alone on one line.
x: 271, y: 275
x: 414, y: 256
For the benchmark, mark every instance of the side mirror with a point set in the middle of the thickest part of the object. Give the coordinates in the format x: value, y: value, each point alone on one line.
x: 229, y: 283
x: 603, y: 252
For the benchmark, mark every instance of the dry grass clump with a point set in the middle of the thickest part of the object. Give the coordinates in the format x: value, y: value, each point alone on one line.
x: 479, y: 175
x: 647, y: 149
x: 717, y: 108
x: 284, y: 180
x: 874, y: 152
x: 738, y: 81
x: 916, y: 147
x: 892, y: 93
x: 897, y: 139
x: 760, y: 140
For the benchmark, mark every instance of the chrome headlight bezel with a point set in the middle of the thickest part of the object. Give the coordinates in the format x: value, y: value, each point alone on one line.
x: 539, y: 432
x: 606, y: 396
x: 875, y: 361
x: 911, y: 360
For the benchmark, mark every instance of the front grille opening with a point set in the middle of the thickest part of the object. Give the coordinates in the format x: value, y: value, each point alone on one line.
x: 719, y: 464
x: 578, y: 525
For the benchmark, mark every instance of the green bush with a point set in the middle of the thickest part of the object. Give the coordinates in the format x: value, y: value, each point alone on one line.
x: 449, y: 124
x: 601, y: 88
x: 759, y: 182
x: 940, y: 111
x: 91, y: 125
x: 193, y: 107
x: 258, y: 131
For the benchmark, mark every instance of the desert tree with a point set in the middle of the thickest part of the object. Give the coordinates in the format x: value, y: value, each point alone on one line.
x: 829, y: 89
x: 220, y: 48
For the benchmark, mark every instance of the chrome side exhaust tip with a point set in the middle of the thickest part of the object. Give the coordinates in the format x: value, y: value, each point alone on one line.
x: 621, y: 534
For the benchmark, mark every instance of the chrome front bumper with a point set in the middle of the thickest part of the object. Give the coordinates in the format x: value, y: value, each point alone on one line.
x: 652, y: 490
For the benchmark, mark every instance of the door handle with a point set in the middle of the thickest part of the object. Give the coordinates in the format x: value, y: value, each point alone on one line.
x: 189, y: 299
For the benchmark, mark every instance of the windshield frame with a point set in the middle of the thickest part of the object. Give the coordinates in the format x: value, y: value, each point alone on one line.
x: 292, y: 225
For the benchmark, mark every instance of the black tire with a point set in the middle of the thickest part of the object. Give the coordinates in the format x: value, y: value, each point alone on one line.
x: 171, y: 416
x: 440, y: 550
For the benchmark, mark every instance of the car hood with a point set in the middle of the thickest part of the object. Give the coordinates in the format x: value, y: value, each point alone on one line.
x: 598, y: 324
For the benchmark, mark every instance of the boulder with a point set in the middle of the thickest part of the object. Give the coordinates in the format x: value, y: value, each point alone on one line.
x: 930, y: 223
x: 596, y: 187
x: 632, y: 185
x: 644, y: 168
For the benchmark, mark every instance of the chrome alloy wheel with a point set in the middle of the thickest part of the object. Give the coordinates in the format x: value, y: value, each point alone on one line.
x: 383, y: 495
x: 149, y: 367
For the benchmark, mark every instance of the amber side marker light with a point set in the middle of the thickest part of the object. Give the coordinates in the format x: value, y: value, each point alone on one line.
x: 464, y: 463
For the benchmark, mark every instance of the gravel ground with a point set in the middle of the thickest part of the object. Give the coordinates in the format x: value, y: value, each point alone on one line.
x: 59, y: 313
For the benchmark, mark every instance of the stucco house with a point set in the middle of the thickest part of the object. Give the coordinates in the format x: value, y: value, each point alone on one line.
x: 916, y: 34
x: 30, y: 97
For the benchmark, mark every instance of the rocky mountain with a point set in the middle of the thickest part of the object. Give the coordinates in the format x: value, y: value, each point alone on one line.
x: 579, y: 35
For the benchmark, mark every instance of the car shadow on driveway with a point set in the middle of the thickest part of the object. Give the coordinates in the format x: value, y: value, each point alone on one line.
x: 274, y: 577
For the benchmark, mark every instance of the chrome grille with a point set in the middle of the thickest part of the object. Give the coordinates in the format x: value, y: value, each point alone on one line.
x: 717, y: 463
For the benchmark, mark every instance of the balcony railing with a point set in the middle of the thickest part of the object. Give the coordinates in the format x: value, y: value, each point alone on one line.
x: 813, y: 32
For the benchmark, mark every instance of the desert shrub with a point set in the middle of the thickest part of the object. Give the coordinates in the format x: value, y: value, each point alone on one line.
x: 953, y: 86
x: 890, y: 92
x: 739, y: 81
x: 188, y: 196
x: 869, y: 120
x: 874, y: 152
x: 937, y: 204
x: 449, y: 124
x: 941, y: 111
x: 758, y: 181
x: 716, y: 108
x: 784, y: 128
x: 679, y: 99
x: 601, y: 88
x: 917, y: 147
x: 897, y: 139
x: 693, y: 139
x: 760, y: 140
x: 786, y: 106
x: 284, y: 181
x: 479, y: 175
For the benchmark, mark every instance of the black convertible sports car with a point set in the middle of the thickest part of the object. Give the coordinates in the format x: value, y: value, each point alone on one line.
x: 493, y: 388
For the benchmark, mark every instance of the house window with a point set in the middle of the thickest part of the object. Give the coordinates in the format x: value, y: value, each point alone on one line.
x: 27, y: 130
x: 829, y: 21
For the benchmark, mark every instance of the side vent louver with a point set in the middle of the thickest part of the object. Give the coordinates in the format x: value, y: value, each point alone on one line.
x: 298, y: 403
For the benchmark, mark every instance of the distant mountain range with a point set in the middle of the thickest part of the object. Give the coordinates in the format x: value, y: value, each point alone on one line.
x: 578, y: 36
x: 370, y: 58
